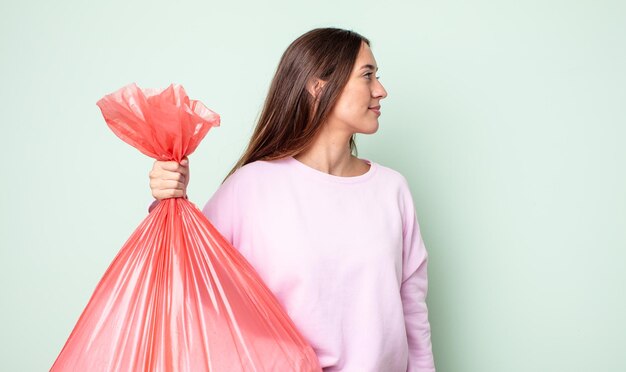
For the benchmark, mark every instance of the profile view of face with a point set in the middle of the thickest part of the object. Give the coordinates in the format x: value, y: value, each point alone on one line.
x: 358, y: 107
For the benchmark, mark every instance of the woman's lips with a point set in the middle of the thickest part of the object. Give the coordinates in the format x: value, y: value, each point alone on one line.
x: 376, y: 109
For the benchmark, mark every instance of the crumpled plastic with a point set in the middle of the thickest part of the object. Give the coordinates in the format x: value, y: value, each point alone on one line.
x: 178, y: 296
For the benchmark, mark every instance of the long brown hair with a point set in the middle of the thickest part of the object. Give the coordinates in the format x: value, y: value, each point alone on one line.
x: 290, y: 118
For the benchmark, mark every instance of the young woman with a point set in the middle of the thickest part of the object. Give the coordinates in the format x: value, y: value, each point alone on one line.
x: 333, y: 236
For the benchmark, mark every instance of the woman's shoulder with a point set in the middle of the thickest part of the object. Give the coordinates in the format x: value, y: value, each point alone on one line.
x: 256, y: 170
x: 391, y: 175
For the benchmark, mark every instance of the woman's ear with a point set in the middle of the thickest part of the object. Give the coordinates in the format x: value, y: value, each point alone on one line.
x: 314, y: 86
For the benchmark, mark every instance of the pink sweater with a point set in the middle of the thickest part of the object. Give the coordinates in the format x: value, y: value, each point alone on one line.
x: 343, y: 255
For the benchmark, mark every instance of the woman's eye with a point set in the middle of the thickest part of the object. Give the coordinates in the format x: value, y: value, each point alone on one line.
x: 368, y: 75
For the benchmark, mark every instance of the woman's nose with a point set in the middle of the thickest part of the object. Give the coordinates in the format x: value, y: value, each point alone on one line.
x: 379, y: 91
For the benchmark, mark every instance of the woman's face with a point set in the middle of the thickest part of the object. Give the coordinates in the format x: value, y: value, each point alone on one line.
x: 358, y: 107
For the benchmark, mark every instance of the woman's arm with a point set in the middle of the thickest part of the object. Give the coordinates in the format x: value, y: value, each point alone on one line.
x: 413, y: 292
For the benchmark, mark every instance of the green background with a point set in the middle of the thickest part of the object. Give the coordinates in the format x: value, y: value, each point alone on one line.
x: 508, y: 118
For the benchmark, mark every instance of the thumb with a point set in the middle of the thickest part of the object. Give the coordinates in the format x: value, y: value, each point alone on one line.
x: 184, y: 162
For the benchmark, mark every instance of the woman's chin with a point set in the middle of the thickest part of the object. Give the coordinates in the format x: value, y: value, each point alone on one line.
x: 372, y: 129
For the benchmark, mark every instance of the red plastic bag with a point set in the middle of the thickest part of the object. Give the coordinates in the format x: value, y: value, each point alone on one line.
x: 178, y: 296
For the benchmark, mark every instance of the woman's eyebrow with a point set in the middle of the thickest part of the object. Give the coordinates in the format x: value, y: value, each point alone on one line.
x: 371, y: 67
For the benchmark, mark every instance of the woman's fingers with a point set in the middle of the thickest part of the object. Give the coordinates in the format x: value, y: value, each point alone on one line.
x: 167, y: 170
x: 167, y: 189
x: 169, y: 176
x: 172, y: 166
x: 168, y: 193
x: 166, y: 184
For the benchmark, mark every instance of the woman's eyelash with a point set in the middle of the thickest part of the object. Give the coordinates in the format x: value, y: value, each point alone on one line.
x: 369, y: 74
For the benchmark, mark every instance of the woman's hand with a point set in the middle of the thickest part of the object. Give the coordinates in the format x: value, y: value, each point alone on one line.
x: 168, y: 179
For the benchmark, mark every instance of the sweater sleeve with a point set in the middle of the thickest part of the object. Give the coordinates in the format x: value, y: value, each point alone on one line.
x: 220, y: 209
x: 413, y: 291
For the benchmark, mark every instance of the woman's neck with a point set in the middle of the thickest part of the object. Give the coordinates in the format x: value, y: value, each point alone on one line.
x: 330, y: 153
